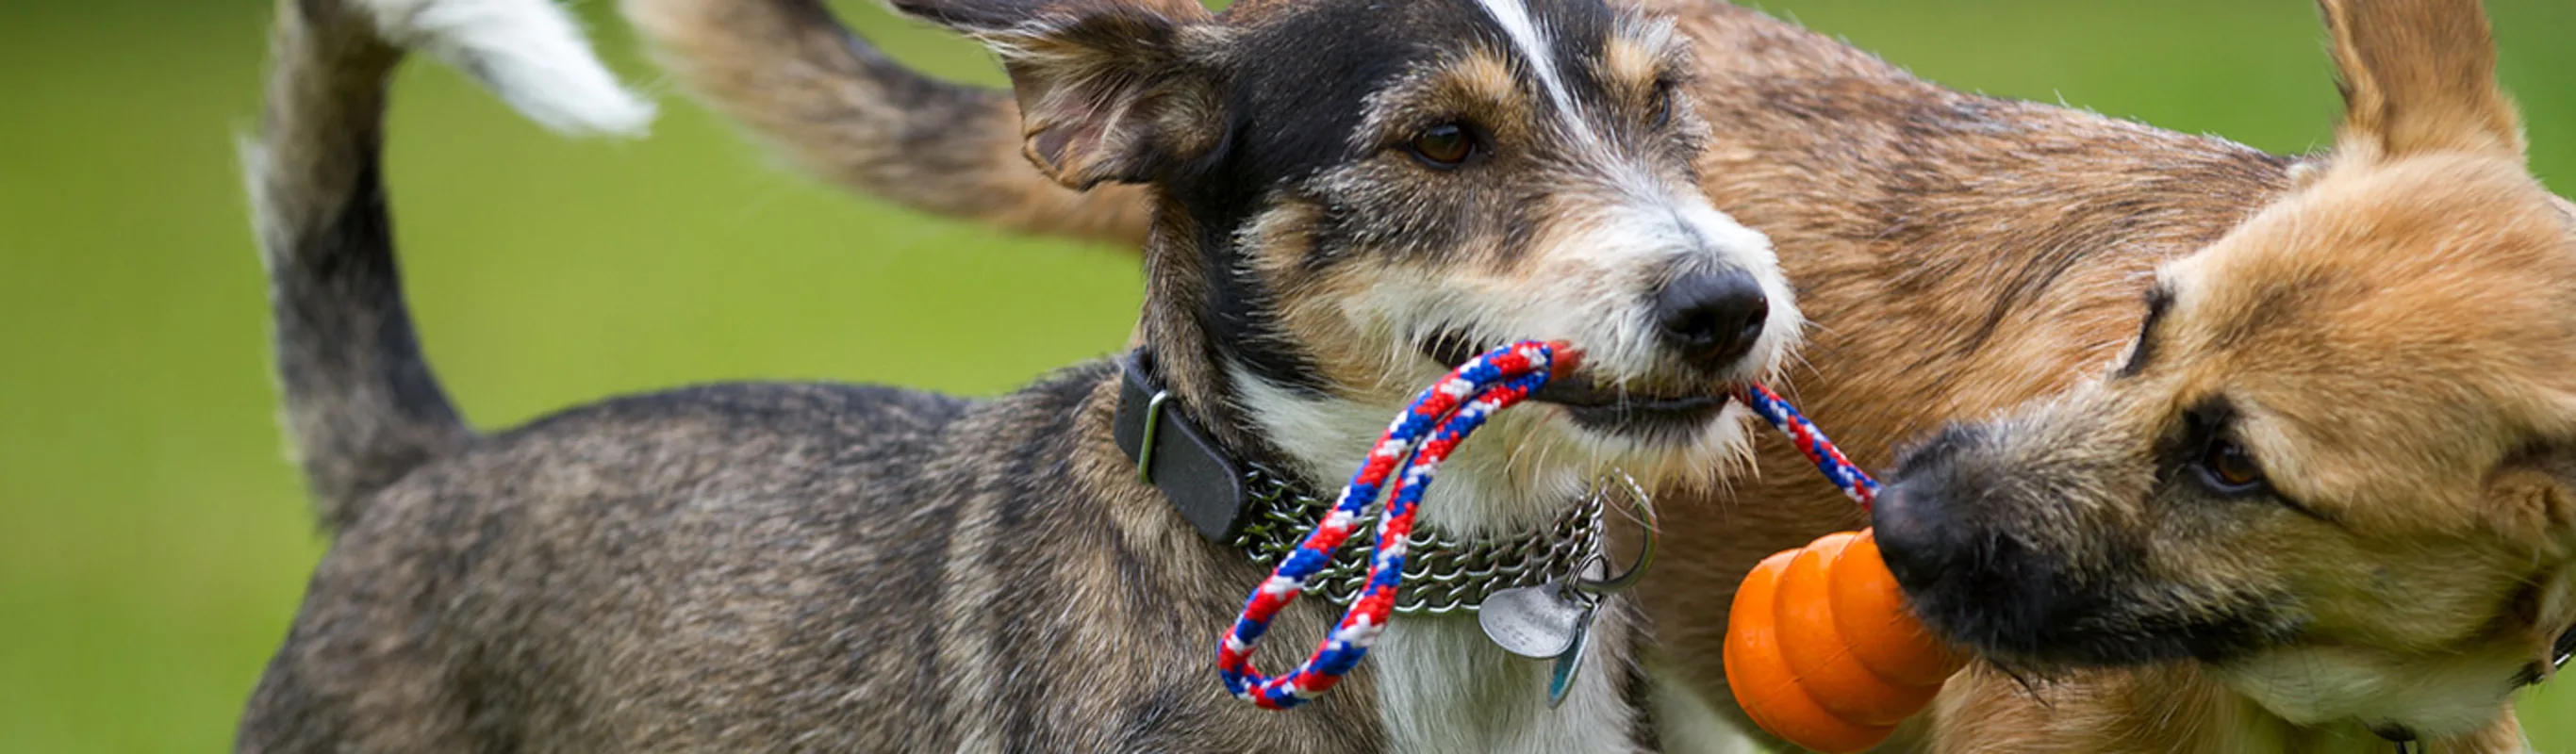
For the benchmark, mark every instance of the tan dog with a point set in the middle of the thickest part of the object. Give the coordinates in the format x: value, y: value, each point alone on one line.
x: 2337, y: 469
x: 1961, y: 255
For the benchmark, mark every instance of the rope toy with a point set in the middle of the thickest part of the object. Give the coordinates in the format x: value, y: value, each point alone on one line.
x: 1449, y: 410
x: 1855, y: 483
x: 1787, y: 642
x: 1820, y: 649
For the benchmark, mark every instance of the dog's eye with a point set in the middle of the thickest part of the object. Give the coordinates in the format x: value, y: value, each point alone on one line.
x: 2229, y: 468
x: 1445, y: 146
x: 1662, y: 104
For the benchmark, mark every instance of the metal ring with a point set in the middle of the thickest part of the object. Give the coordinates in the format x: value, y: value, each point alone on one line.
x: 1645, y: 509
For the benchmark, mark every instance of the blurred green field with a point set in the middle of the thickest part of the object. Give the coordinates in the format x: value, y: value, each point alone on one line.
x: 153, y: 543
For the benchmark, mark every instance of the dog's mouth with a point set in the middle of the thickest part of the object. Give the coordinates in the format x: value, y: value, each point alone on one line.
x: 1609, y: 409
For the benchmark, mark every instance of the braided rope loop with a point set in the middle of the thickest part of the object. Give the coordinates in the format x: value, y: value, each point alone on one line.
x: 1417, y: 441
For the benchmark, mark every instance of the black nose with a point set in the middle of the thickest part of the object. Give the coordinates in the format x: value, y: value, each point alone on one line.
x: 1713, y: 318
x: 1913, y: 536
x: 1920, y: 536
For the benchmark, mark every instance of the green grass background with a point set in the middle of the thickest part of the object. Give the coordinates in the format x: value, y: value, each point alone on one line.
x: 153, y: 541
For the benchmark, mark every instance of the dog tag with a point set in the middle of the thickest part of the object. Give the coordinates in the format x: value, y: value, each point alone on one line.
x: 1540, y: 622
x: 1570, y: 663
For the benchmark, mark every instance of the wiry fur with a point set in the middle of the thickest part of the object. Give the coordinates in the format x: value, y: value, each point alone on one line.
x: 754, y: 567
x: 1961, y: 255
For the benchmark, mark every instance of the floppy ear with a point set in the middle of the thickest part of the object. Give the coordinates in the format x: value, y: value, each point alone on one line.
x: 1109, y: 90
x: 2418, y: 76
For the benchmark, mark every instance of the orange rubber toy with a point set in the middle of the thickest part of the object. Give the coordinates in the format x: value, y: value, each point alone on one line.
x: 1821, y: 651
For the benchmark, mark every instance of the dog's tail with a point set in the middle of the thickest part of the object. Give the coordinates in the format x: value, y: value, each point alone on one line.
x: 791, y: 72
x: 360, y: 400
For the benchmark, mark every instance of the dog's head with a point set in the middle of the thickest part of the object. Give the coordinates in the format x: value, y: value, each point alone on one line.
x: 2339, y: 464
x: 1355, y: 195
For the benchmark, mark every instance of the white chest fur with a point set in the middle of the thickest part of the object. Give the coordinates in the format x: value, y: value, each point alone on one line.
x: 1446, y: 688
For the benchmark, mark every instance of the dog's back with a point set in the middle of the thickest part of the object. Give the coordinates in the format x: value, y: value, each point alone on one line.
x: 620, y: 552
x: 726, y: 568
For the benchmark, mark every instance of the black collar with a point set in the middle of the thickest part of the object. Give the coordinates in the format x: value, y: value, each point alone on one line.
x: 1176, y: 456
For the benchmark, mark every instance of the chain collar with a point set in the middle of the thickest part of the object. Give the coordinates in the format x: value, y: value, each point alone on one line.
x: 1442, y: 573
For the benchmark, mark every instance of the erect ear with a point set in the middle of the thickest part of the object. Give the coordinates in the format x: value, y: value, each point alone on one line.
x: 2418, y: 76
x: 1109, y: 90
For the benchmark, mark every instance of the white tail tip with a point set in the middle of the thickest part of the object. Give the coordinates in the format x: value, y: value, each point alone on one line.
x: 529, y: 52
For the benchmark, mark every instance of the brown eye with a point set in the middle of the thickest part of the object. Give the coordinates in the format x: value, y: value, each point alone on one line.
x: 2229, y: 467
x: 1444, y: 146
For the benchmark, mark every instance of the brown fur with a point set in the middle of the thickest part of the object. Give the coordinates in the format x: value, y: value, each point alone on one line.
x: 786, y: 72
x: 2391, y: 343
x: 1959, y: 255
x: 1962, y: 255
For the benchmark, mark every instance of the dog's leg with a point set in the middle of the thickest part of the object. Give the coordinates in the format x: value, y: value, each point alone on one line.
x: 360, y: 401
x: 791, y: 72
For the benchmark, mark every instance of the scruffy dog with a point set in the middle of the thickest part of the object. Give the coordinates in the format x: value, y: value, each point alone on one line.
x: 1964, y: 255
x: 1349, y: 196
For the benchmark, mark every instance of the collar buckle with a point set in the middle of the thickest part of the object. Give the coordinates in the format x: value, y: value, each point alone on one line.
x: 1176, y: 456
x: 1145, y: 449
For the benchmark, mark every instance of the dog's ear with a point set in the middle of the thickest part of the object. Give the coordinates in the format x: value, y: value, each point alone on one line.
x: 2531, y: 497
x: 1112, y: 91
x: 2418, y: 76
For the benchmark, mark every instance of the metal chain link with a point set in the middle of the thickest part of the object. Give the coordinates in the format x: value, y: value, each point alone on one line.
x: 1442, y: 574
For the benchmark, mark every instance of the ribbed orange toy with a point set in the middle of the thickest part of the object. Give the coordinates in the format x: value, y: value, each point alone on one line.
x: 1821, y: 651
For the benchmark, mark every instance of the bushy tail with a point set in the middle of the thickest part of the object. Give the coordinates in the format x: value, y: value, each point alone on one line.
x: 833, y: 103
x: 360, y: 400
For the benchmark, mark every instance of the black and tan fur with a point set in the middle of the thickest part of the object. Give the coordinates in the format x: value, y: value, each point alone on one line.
x: 1962, y: 255
x: 823, y: 567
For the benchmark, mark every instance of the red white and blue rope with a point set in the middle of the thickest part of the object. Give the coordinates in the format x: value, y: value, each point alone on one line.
x: 1811, y: 442
x: 1417, y: 442
x: 1419, y: 439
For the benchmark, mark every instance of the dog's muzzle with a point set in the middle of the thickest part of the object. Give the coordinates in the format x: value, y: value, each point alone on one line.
x: 1976, y: 577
